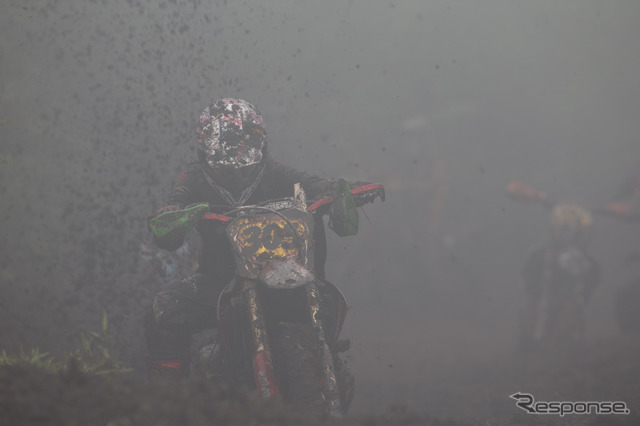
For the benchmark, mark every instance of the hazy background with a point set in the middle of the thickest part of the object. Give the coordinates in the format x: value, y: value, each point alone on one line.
x: 443, y: 102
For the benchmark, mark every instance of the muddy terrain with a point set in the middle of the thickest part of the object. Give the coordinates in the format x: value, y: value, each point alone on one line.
x: 442, y: 102
x: 479, y: 392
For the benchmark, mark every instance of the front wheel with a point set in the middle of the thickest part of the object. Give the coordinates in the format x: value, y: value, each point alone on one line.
x: 296, y: 354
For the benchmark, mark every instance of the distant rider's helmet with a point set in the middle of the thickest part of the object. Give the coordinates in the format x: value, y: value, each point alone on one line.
x: 231, y: 144
x: 571, y: 225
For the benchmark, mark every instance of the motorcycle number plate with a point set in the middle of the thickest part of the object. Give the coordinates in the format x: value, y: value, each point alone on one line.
x: 257, y: 239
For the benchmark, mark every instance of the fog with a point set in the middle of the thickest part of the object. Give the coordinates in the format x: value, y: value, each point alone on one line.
x: 443, y: 102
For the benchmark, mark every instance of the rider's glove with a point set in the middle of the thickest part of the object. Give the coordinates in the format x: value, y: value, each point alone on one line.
x: 363, y: 192
x: 171, y: 225
x: 347, y: 196
x: 366, y: 192
x: 343, y: 213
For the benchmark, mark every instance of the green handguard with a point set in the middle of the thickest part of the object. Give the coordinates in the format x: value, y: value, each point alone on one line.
x: 343, y: 215
x: 174, y: 225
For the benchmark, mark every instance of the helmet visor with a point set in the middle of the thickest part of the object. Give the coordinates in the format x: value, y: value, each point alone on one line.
x: 234, y: 154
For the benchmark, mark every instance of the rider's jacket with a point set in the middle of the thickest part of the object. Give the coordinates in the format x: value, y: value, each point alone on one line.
x: 216, y: 257
x: 568, y: 272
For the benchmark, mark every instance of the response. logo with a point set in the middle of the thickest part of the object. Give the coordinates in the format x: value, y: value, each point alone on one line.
x: 527, y: 402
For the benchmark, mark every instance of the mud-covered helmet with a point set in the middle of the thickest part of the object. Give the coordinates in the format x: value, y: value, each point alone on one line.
x: 571, y: 225
x: 231, y: 144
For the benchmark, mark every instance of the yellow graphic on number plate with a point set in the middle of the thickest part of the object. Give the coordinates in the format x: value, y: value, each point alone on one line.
x: 267, y: 238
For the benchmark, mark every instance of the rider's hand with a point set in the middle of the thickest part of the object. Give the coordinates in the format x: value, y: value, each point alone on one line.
x: 172, y: 224
x: 366, y: 192
x: 347, y: 197
x: 362, y: 193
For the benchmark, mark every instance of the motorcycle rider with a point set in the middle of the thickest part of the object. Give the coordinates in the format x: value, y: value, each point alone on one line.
x: 233, y: 168
x: 627, y: 202
x: 559, y: 279
x: 626, y: 206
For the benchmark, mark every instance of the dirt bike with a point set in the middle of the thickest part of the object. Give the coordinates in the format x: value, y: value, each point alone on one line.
x: 559, y: 277
x: 627, y: 297
x: 279, y: 323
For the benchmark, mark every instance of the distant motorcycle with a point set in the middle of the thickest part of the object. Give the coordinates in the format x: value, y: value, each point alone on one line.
x: 279, y: 323
x: 627, y: 298
x: 559, y: 277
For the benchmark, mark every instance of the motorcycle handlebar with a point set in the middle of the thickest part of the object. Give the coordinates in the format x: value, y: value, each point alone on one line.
x: 363, y: 193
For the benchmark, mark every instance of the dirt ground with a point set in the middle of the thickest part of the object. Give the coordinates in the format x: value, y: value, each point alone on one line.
x: 438, y: 356
x: 608, y: 367
x: 439, y: 371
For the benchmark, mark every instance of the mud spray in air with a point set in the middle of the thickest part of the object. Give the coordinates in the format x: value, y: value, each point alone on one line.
x: 444, y: 103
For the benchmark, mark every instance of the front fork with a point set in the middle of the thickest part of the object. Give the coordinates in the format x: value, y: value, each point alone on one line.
x: 262, y: 365
x: 329, y: 381
x: 264, y: 374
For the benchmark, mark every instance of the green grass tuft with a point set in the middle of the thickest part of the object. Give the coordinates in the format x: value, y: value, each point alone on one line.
x: 92, y: 357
